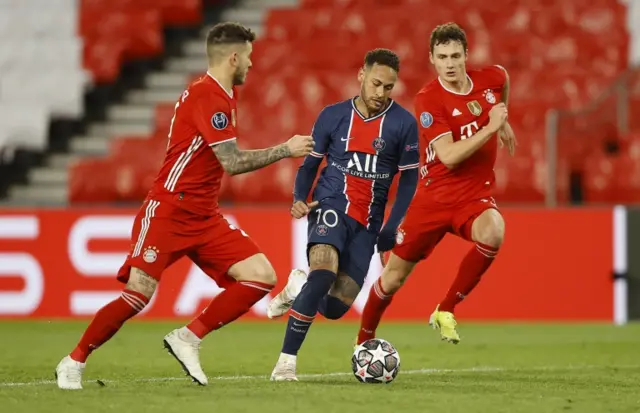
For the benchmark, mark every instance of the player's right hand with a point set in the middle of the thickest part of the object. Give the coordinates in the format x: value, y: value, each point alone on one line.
x: 300, y: 209
x: 497, y: 117
x: 300, y: 145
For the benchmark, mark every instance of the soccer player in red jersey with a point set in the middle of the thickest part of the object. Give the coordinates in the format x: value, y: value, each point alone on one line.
x: 459, y: 114
x: 180, y: 216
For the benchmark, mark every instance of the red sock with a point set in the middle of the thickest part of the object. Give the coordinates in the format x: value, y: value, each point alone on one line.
x: 107, y: 322
x: 472, y: 267
x: 228, y: 305
x: 377, y: 303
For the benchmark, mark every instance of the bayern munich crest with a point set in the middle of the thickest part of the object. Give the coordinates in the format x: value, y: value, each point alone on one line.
x: 491, y: 98
x: 150, y: 254
x: 399, y: 236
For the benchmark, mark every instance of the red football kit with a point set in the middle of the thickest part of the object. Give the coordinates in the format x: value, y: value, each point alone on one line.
x: 448, y: 200
x: 180, y: 216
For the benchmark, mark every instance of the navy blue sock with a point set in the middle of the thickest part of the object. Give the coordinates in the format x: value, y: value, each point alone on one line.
x: 333, y: 308
x: 304, y: 309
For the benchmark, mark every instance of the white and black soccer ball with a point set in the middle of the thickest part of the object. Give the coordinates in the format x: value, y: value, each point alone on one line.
x: 375, y: 361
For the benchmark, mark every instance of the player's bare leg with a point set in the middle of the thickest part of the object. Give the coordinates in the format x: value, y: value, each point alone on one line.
x: 487, y: 231
x: 255, y: 277
x: 282, y: 302
x: 105, y: 324
x: 393, y: 276
x: 323, y: 261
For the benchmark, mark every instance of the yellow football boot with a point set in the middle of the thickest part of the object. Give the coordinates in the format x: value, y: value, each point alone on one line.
x: 446, y: 323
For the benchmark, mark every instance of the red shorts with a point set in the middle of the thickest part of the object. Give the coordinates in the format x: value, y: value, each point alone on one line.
x: 163, y: 233
x: 425, y: 225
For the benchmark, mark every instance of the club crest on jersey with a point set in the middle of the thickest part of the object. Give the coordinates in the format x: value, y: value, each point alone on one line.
x: 219, y: 121
x: 322, y: 230
x: 150, y: 254
x: 379, y: 144
x: 426, y: 119
x: 491, y: 98
x: 399, y: 236
x: 474, y: 108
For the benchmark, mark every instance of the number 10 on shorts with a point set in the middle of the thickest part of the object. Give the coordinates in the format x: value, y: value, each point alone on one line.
x: 329, y: 217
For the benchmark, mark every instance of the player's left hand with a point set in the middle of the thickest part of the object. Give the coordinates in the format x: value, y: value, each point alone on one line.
x: 507, y: 137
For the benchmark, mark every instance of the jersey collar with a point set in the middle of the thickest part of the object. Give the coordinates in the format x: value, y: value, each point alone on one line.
x: 454, y: 92
x: 355, y: 108
x: 230, y: 94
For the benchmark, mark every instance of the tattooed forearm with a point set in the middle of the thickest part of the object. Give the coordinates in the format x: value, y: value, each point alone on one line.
x: 236, y: 161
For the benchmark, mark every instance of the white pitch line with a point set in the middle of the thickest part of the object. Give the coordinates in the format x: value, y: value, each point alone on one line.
x: 334, y: 374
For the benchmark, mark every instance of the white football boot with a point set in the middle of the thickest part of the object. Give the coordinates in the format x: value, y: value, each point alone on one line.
x: 69, y: 374
x: 182, y: 344
x: 285, y: 369
x: 284, y: 300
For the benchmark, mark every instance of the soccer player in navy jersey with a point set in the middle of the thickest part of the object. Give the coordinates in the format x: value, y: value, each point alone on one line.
x: 366, y: 140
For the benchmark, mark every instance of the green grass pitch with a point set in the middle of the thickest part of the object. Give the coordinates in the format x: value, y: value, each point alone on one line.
x: 512, y: 368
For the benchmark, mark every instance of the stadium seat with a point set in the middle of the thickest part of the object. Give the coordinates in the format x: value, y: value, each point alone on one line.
x: 559, y: 55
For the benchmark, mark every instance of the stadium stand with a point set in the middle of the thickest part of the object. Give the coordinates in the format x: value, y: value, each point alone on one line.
x: 559, y: 54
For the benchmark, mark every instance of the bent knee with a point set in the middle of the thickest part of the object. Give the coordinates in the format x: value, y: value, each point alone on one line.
x: 141, y: 282
x: 323, y: 257
x: 264, y: 273
x: 492, y: 234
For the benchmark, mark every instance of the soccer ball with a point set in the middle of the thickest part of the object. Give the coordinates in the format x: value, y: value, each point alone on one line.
x: 375, y: 361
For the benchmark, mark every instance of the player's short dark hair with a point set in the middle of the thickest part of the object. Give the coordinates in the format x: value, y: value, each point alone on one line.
x: 229, y: 33
x: 384, y: 57
x: 446, y: 33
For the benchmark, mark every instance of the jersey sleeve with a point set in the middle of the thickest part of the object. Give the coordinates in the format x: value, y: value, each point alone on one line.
x: 410, y: 153
x: 496, y: 75
x: 212, y: 117
x: 433, y: 122
x: 321, y: 134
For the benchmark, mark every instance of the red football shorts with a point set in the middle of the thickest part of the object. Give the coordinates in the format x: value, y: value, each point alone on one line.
x: 425, y: 224
x: 163, y: 233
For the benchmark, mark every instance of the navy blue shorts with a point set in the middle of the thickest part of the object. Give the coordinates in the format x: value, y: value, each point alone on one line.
x: 354, y: 243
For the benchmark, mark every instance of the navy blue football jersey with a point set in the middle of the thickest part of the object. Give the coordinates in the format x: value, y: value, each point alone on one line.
x: 363, y: 156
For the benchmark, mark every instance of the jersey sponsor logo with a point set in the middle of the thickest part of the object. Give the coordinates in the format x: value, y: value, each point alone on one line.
x: 474, y: 108
x: 468, y: 130
x: 362, y: 165
x: 426, y: 119
x: 491, y: 98
x: 379, y: 144
x: 219, y: 121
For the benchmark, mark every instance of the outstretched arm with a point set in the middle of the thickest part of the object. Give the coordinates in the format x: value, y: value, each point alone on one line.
x: 236, y: 161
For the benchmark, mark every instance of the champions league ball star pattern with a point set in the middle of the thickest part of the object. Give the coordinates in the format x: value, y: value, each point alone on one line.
x: 375, y: 361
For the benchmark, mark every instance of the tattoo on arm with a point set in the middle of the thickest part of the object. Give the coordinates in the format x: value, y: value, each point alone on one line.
x: 236, y: 161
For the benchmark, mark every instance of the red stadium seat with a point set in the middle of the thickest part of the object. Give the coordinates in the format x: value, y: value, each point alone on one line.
x: 558, y: 54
